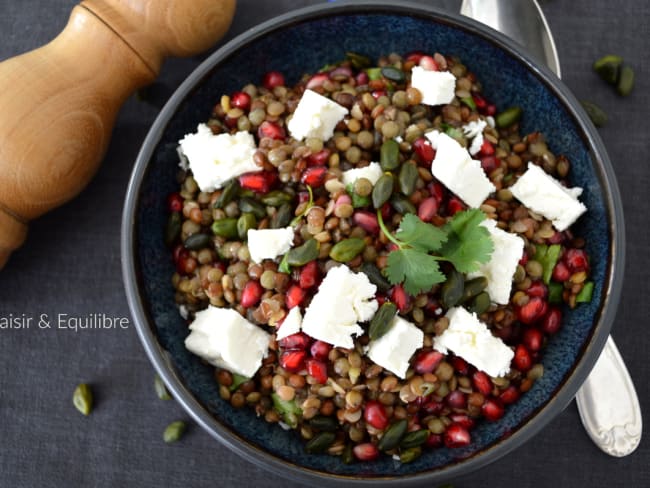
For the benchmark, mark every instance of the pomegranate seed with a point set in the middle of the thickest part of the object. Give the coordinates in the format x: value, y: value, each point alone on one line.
x: 510, y: 395
x: 487, y: 149
x: 241, y: 100
x: 375, y: 415
x: 454, y: 206
x: 414, y: 57
x: 260, y: 182
x: 309, y: 275
x: 317, y: 369
x: 251, y: 294
x: 457, y: 399
x: 400, y: 298
x: 298, y: 341
x: 460, y: 365
x: 432, y: 407
x: 273, y: 79
x: 366, y: 220
x: 492, y: 409
x: 482, y: 382
x: 532, y: 311
x: 294, y: 297
x: 386, y: 211
x: 522, y: 360
x: 552, y: 321
x: 462, y: 419
x: 427, y: 209
x: 424, y: 150
x: 175, y: 202
x: 576, y: 260
x: 428, y: 63
x: 317, y: 80
x: 314, y: 176
x: 319, y: 159
x: 362, y: 78
x: 479, y: 101
x: 320, y: 350
x: 532, y: 339
x: 303, y: 196
x: 378, y: 93
x: 556, y: 238
x: 427, y: 361
x: 366, y: 451
x: 434, y: 440
x: 178, y: 252
x: 491, y: 109
x: 437, y: 191
x: 524, y: 259
x: 489, y: 164
x: 561, y: 272
x: 537, y: 289
x: 293, y: 361
x: 456, y: 436
x: 272, y: 130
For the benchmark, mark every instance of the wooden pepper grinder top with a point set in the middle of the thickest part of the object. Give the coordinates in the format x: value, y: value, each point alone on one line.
x: 59, y: 102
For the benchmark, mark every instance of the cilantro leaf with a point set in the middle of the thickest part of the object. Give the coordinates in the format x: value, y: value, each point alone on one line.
x: 420, y: 235
x: 469, y: 244
x: 419, y: 271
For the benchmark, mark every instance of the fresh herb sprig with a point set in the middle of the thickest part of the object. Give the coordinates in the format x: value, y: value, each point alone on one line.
x: 462, y: 241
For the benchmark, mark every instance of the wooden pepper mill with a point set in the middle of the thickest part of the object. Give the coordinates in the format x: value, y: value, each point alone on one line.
x: 59, y: 102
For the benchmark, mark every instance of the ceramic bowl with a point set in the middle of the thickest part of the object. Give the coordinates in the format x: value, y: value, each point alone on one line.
x: 303, y: 41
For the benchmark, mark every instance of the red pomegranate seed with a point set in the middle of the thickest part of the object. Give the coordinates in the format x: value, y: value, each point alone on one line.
x: 366, y: 220
x: 424, y: 150
x: 314, y: 176
x: 366, y: 451
x: 309, y: 275
x: 427, y: 361
x: 298, y: 341
x: 456, y: 436
x: 434, y: 440
x: 293, y: 361
x: 303, y: 196
x: 378, y: 93
x: 510, y: 395
x: 241, y: 100
x: 178, y: 252
x: 537, y: 289
x: 294, y: 297
x: 487, y: 149
x: 386, y: 211
x: 462, y: 419
x: 175, y: 202
x: 272, y: 130
x: 427, y: 209
x: 561, y: 272
x: 273, y: 79
x: 522, y: 360
x: 552, y: 321
x: 492, y: 409
x: 375, y: 415
x: 251, y: 294
x: 479, y: 101
x: 260, y: 182
x: 524, y: 259
x: 319, y: 158
x: 491, y: 109
x: 576, y: 260
x: 454, y: 206
x: 433, y: 407
x: 320, y: 350
x: 556, y: 238
x: 317, y: 80
x: 317, y: 369
x: 437, y: 191
x: 533, y: 339
x: 414, y: 57
x: 460, y: 365
x: 428, y: 63
x: 456, y: 399
x: 400, y: 298
x: 532, y: 311
x: 482, y: 382
x: 489, y: 164
x: 362, y: 78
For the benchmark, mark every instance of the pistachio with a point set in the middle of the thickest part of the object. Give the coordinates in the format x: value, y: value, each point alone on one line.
x: 320, y: 442
x: 161, y: 389
x: 382, y: 190
x: 174, y: 431
x: 347, y: 249
x: 196, y: 242
x: 508, y: 117
x: 380, y: 323
x: 389, y: 155
x: 393, y: 435
x: 82, y: 398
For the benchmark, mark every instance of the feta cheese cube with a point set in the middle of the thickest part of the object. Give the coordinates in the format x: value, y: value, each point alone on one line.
x: 470, y: 339
x: 291, y: 324
x: 344, y: 299
x: 394, y: 349
x: 227, y: 340
x: 436, y: 87
x: 455, y: 168
x: 315, y: 116
x: 269, y: 243
x: 215, y: 159
x: 499, y: 270
x: 372, y: 172
x: 545, y: 195
x: 474, y: 130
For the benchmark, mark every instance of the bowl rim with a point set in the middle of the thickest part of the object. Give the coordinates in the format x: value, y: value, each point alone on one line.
x: 590, y: 352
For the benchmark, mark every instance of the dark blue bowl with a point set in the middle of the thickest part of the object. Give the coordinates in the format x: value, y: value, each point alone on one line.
x: 303, y: 41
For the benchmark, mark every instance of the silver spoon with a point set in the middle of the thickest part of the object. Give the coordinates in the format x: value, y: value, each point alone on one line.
x: 607, y: 401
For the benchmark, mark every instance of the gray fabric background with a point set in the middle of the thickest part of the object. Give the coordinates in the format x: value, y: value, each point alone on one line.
x: 71, y: 264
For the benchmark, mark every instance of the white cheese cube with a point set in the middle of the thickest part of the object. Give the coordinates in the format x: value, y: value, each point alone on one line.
x: 216, y: 159
x: 291, y: 324
x: 499, y: 270
x: 454, y: 167
x: 470, y: 339
x: 227, y: 340
x: 436, y: 87
x: 269, y: 243
x: 315, y: 116
x: 545, y: 195
x: 344, y: 299
x: 394, y: 349
x: 474, y: 130
x: 372, y: 172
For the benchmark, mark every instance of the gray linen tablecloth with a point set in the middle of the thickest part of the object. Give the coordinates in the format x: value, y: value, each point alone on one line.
x: 71, y: 265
